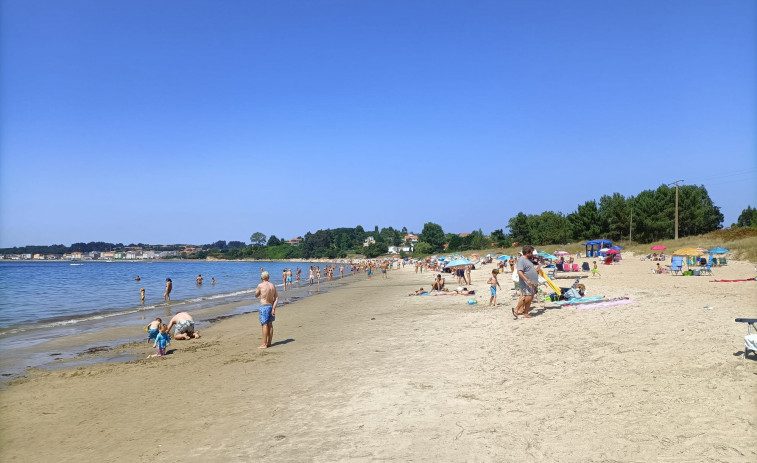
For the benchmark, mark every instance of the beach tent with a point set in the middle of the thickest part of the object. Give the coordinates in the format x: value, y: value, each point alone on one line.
x: 598, y: 244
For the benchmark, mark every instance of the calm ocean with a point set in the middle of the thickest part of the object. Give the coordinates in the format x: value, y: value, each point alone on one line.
x: 42, y: 301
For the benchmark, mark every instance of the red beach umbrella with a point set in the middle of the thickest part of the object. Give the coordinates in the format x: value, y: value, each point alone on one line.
x: 658, y: 247
x: 613, y: 251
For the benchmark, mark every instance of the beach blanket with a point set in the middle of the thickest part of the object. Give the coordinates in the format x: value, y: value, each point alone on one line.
x: 732, y: 281
x: 603, y: 305
x: 579, y: 300
x: 440, y: 293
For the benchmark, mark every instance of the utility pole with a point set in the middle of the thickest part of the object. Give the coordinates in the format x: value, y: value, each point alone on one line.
x: 630, y: 227
x: 676, y: 184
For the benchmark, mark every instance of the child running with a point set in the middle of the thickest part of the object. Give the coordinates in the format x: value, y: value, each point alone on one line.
x: 161, y: 341
x: 595, y: 270
x: 493, y: 284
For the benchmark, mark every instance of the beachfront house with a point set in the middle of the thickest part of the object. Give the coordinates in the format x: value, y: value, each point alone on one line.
x: 295, y: 241
x: 150, y: 255
x: 398, y: 249
x: 369, y: 241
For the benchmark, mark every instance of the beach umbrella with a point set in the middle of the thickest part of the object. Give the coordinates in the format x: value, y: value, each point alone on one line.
x: 658, y: 247
x: 718, y: 250
x: 459, y: 263
x: 687, y: 252
x: 613, y: 251
x: 604, y: 249
x: 617, y: 248
x: 549, y: 256
x: 503, y: 257
x: 562, y: 253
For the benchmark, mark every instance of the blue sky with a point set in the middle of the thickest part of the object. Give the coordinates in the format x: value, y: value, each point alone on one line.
x: 196, y: 121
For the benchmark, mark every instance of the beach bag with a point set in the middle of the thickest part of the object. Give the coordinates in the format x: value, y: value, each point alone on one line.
x: 516, y: 278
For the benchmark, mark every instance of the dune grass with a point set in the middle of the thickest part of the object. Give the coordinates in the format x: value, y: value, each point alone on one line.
x: 742, y: 242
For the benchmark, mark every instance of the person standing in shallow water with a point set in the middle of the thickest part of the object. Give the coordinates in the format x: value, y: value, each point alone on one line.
x: 269, y: 299
x: 169, y: 287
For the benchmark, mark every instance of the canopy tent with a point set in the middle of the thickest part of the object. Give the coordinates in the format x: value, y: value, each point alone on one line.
x: 598, y: 244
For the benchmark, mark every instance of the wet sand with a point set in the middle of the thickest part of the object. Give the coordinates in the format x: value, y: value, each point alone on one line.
x: 367, y: 373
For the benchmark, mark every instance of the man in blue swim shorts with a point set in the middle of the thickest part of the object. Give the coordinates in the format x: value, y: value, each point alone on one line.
x: 269, y: 299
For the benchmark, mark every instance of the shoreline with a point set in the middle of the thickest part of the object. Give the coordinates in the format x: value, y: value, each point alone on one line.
x: 367, y: 373
x: 59, y: 346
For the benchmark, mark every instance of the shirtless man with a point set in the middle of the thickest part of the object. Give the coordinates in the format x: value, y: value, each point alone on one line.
x: 199, y: 280
x: 269, y: 299
x: 384, y: 267
x: 169, y: 287
x: 185, y: 326
x: 341, y: 271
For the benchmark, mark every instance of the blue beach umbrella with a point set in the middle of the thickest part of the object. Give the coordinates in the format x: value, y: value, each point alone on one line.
x: 459, y: 262
x: 718, y: 250
x: 503, y: 257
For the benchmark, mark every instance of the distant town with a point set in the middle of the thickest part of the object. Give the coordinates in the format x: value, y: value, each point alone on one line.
x: 131, y: 253
x: 139, y: 253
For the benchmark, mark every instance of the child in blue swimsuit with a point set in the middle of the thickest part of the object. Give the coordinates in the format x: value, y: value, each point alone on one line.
x: 153, y: 328
x: 161, y: 341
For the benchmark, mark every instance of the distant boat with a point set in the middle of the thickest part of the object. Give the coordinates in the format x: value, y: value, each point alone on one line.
x: 75, y: 264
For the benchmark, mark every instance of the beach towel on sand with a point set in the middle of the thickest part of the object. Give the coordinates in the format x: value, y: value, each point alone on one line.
x: 732, y: 281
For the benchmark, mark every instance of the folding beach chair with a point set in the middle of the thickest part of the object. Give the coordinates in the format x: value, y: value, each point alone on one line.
x: 750, y: 340
x: 676, y: 264
x: 707, y: 269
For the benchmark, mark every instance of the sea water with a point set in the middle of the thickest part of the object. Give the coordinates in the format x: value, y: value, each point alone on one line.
x: 42, y: 301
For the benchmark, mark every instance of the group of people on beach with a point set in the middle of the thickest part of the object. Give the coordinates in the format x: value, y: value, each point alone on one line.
x: 158, y: 332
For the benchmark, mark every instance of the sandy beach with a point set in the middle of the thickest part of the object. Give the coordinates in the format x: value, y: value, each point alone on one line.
x: 367, y: 373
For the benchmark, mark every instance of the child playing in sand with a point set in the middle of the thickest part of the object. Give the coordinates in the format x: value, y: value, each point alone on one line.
x: 161, y: 341
x: 153, y: 328
x: 595, y: 270
x: 493, y: 284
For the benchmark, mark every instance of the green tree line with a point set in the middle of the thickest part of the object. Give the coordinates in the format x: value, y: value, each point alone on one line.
x: 647, y: 217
